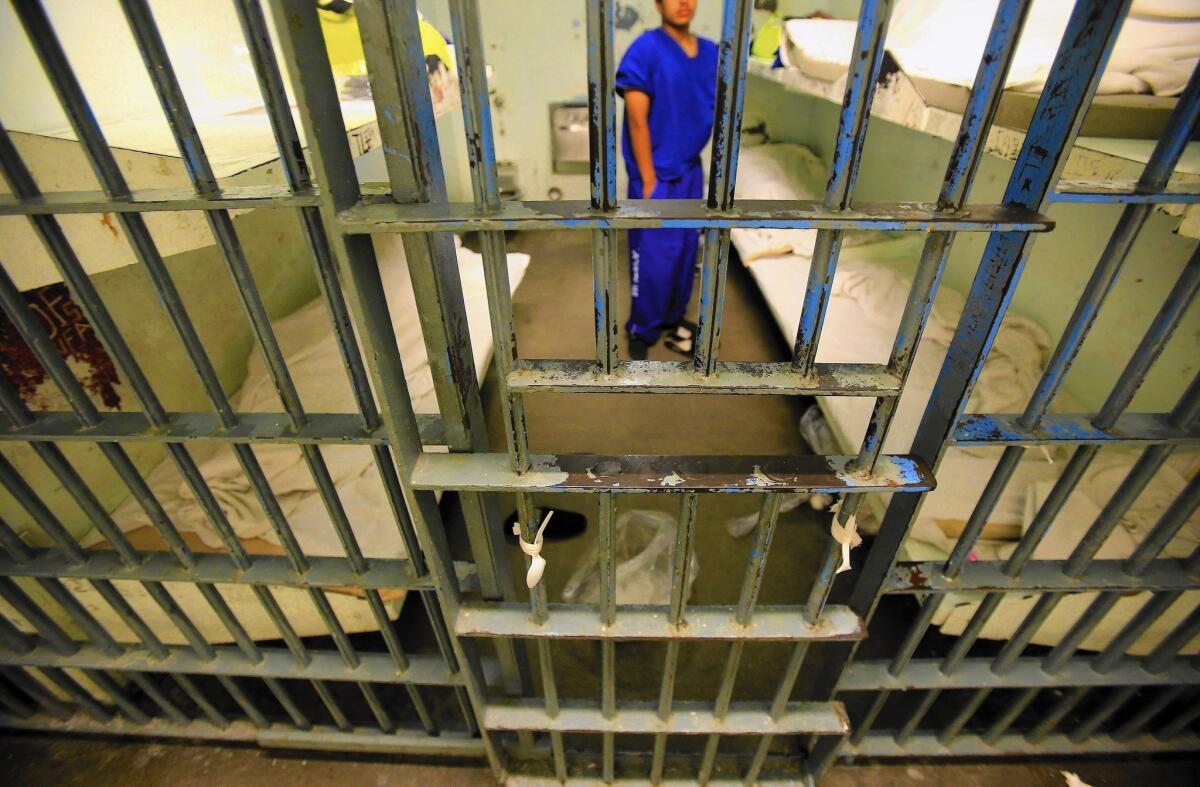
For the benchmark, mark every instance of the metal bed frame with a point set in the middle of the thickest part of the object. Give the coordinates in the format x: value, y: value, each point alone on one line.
x: 526, y: 732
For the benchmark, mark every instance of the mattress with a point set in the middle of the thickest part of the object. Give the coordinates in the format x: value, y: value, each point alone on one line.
x: 865, y: 305
x: 316, y: 366
x: 943, y: 40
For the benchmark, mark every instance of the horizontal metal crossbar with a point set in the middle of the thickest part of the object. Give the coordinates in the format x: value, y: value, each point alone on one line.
x: 1074, y: 428
x: 376, y: 217
x: 581, y: 621
x: 827, y: 379
x: 275, y: 570
x: 687, y: 718
x: 925, y: 744
x: 329, y: 428
x: 1124, y: 191
x: 1036, y: 576
x: 276, y: 663
x: 1024, y: 673
x: 632, y: 473
x: 150, y: 200
x: 276, y: 736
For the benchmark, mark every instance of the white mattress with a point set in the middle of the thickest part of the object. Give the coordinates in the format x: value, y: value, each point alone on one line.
x: 865, y: 305
x: 316, y: 366
x: 943, y: 40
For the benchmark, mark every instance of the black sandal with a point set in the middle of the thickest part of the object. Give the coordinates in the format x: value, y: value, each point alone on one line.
x: 682, y: 338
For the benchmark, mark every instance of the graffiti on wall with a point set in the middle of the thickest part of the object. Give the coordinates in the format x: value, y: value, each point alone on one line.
x: 72, y: 334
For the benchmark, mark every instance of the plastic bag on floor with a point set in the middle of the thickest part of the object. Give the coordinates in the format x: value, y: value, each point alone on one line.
x: 643, y: 547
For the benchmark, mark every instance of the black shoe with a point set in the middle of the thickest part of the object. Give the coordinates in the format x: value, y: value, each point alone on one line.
x: 638, y: 348
x: 682, y: 338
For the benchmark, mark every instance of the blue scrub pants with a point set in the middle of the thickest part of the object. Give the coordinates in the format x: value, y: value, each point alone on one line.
x: 662, y: 263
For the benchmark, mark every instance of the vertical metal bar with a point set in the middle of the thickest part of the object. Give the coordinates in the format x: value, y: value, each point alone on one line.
x: 608, y: 613
x: 1167, y: 150
x: 1168, y: 525
x: 243, y: 701
x: 1178, y: 724
x: 46, y: 628
x: 393, y: 51
x: 952, y: 730
x: 1145, y: 714
x: 1056, y: 714
x: 864, y: 725
x: 335, y: 710
x: 764, y: 531
x: 296, y: 172
x: 13, y: 638
x: 464, y: 16
x: 1114, y: 651
x: 1015, y: 645
x: 382, y: 719
x: 1010, y: 714
x: 681, y: 553
x: 191, y: 148
x: 1079, y: 630
x: 1160, y: 658
x: 1112, y: 703
x: 33, y: 689
x: 14, y: 704
x: 917, y: 716
x: 78, y: 694
x: 301, y: 44
x: 732, y: 58
x: 865, y: 60
x: 202, y: 701
x: 289, y: 705
x: 1074, y: 76
x: 602, y: 155
x: 170, y: 709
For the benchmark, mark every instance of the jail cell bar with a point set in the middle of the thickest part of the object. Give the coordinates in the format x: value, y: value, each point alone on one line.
x: 498, y: 704
x: 960, y: 686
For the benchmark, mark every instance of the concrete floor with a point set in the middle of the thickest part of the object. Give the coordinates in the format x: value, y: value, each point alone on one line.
x: 554, y: 320
x: 35, y: 761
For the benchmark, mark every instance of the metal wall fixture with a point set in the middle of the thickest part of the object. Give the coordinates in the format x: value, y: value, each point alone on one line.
x: 482, y: 637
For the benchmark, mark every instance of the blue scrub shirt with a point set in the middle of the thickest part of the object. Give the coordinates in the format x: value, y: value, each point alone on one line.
x: 682, y: 94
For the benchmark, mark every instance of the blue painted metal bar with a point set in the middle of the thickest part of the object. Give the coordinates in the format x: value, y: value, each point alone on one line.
x: 732, y: 57
x: 1057, y: 118
x: 865, y: 61
x: 602, y: 157
x: 1123, y: 192
x: 1076, y: 428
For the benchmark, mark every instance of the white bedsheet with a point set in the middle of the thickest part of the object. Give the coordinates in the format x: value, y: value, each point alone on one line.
x: 865, y: 305
x: 317, y: 369
x: 943, y: 40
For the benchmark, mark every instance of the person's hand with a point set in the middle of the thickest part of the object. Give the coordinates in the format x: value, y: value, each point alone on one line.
x: 648, y: 189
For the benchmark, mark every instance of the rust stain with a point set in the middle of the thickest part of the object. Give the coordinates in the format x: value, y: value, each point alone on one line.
x: 107, y: 220
x: 916, y: 578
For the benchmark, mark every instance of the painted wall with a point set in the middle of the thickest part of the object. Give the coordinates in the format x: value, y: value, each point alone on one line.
x: 900, y: 164
x: 537, y: 52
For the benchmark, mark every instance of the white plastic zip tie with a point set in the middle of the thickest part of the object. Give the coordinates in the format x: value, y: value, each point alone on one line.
x: 537, y: 566
x: 846, y: 535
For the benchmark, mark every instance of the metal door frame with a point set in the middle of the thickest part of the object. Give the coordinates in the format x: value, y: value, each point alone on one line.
x: 520, y: 729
